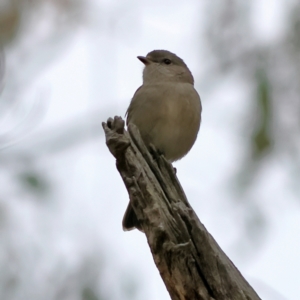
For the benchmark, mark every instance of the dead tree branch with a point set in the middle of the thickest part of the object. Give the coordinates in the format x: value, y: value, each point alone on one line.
x: 190, y: 262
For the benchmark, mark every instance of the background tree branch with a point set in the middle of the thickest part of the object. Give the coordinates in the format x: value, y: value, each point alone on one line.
x: 191, y: 263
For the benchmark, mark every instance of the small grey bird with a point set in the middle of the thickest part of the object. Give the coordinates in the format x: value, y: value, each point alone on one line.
x: 166, y: 109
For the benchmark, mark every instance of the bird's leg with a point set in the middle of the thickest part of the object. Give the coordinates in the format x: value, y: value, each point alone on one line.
x: 156, y: 153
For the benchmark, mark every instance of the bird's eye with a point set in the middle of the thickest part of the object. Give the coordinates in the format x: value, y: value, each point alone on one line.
x: 167, y: 61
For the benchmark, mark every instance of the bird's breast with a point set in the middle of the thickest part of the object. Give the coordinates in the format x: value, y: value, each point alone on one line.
x: 168, y: 116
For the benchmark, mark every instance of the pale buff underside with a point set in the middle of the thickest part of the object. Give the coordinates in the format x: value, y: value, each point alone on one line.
x: 168, y: 115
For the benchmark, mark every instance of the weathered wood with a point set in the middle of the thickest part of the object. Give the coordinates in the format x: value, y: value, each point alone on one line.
x: 191, y: 263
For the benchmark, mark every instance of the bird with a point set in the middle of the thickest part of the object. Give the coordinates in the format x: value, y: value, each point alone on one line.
x: 166, y: 109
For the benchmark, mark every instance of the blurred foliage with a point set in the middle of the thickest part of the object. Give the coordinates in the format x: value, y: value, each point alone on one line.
x: 29, y: 30
x: 10, y: 14
x: 268, y: 64
x: 271, y: 66
x: 34, y: 182
x: 17, y: 15
x: 88, y: 294
x: 261, y: 140
x: 32, y: 34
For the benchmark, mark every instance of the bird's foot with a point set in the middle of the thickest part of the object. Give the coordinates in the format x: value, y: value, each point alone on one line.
x: 156, y: 153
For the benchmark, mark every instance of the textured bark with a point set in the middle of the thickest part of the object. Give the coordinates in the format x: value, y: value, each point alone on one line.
x: 190, y: 262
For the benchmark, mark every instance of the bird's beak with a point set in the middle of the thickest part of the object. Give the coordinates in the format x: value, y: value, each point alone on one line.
x: 144, y: 60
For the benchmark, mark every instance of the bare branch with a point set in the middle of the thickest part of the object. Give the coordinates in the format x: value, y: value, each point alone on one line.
x: 189, y: 260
